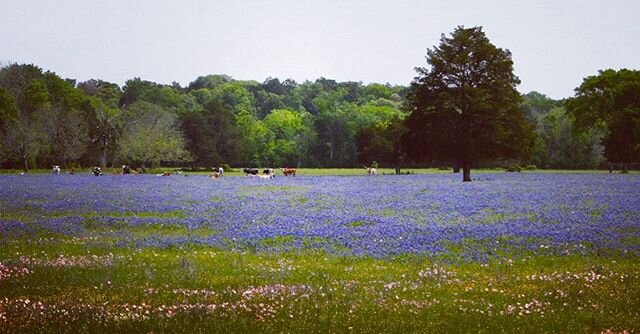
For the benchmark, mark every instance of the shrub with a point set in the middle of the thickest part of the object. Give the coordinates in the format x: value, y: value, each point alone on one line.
x: 514, y: 168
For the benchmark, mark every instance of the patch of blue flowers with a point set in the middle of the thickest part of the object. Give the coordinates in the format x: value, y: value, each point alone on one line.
x: 385, y: 216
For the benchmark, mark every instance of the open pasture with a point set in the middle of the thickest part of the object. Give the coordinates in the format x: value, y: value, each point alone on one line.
x: 420, y: 253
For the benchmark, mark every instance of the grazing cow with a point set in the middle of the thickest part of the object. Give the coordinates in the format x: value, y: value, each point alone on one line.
x: 288, y: 171
x: 266, y: 175
x: 217, y: 173
x: 250, y: 171
x: 371, y: 170
x: 97, y: 171
x: 56, y: 170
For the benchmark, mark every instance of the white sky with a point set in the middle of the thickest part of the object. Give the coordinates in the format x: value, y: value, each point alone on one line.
x: 555, y: 44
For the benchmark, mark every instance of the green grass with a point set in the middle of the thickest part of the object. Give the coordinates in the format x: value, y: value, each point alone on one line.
x: 187, y: 290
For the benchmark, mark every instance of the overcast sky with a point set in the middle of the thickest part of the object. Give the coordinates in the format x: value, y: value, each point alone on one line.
x: 555, y: 44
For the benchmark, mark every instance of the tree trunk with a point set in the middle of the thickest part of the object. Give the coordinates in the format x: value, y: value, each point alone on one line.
x: 103, y: 158
x: 625, y: 168
x: 26, y: 163
x: 331, y: 152
x: 398, y: 170
x: 466, y: 172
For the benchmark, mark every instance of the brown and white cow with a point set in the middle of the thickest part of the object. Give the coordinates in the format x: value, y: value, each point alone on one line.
x: 288, y: 171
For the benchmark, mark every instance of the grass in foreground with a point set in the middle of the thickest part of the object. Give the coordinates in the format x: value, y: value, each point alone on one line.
x: 63, y: 287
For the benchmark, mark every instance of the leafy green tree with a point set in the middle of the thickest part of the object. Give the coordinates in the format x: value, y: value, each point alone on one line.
x: 212, y: 136
x: 168, y: 97
x: 374, y: 112
x: 382, y: 142
x: 274, y: 86
x: 256, y: 137
x: 351, y: 91
x: 562, y: 147
x: 24, y: 136
x: 306, y: 93
x: 209, y: 81
x: 201, y: 96
x: 536, y: 105
x: 235, y: 97
x: 611, y: 101
x: 105, y: 125
x: 266, y: 102
x: 291, y: 133
x: 558, y: 145
x: 465, y: 106
x: 336, y: 131
x: 67, y: 130
x: 107, y: 92
x: 8, y: 113
x: 375, y: 91
x: 150, y: 135
x: 8, y: 108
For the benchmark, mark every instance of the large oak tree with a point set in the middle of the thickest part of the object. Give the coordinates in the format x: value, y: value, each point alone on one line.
x: 464, y: 106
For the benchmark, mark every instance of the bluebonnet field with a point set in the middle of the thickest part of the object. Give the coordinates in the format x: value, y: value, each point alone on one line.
x: 382, y: 217
x: 418, y: 227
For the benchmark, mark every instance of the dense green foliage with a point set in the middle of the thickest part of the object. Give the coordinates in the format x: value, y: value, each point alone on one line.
x: 214, y: 120
x: 610, y: 101
x: 559, y: 144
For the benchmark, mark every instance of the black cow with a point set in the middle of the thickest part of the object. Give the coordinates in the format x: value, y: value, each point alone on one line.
x: 250, y: 171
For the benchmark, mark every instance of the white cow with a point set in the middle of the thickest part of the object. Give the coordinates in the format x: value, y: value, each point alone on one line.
x: 371, y: 170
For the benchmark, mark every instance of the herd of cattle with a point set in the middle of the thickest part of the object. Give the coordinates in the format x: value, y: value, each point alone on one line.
x: 268, y: 173
x: 218, y: 172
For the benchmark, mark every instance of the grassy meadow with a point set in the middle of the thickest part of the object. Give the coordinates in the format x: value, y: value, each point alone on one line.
x: 530, y: 252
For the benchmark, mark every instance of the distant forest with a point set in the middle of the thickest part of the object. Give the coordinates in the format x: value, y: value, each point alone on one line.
x: 47, y: 120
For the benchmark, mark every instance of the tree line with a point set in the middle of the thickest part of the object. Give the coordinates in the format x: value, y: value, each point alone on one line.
x: 214, y: 120
x: 461, y: 110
